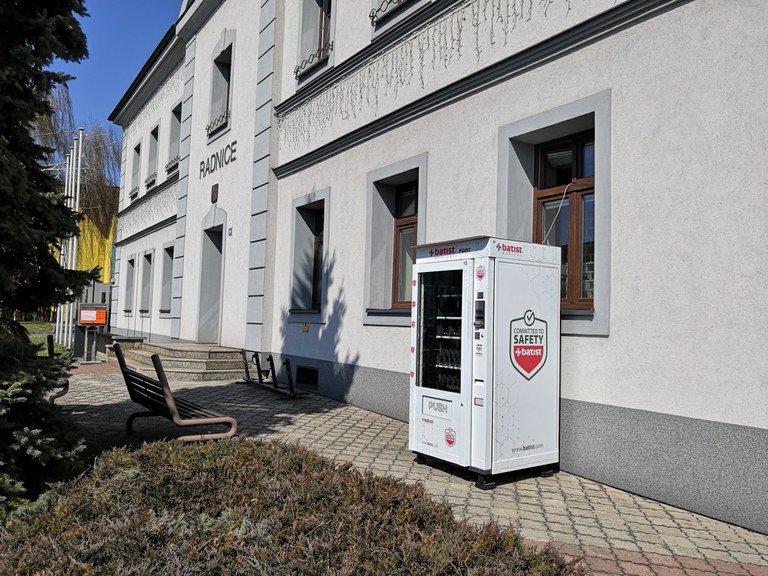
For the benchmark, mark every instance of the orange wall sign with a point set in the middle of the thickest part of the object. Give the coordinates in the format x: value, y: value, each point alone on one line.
x: 92, y: 316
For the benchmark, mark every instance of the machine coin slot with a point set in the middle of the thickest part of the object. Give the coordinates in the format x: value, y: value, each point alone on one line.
x: 479, y: 314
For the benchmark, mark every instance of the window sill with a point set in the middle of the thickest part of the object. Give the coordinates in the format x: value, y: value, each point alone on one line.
x: 305, y: 316
x: 218, y: 123
x: 577, y: 313
x: 387, y: 317
x: 219, y: 132
x: 172, y: 165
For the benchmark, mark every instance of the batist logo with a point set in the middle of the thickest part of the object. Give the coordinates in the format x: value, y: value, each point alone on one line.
x: 508, y: 248
x: 450, y: 437
x: 528, y: 344
x: 442, y: 251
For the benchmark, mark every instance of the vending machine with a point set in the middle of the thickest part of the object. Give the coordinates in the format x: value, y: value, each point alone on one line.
x: 485, y: 355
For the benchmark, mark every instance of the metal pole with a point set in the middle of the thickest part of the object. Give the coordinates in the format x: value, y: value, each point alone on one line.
x: 62, y: 263
x: 76, y: 182
x: 70, y: 263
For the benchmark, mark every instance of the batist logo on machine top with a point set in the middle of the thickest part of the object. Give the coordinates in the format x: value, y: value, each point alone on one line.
x: 528, y: 344
x: 450, y: 437
x: 449, y: 250
x: 507, y: 248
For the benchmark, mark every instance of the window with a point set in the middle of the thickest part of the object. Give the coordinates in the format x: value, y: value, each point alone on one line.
x: 564, y: 212
x: 388, y: 14
x: 309, y: 262
x: 384, y: 9
x: 316, y: 41
x: 129, y: 278
x: 165, y: 289
x: 406, y: 209
x: 396, y: 202
x: 220, y: 84
x: 175, y: 139
x: 146, y: 284
x: 539, y: 156
x: 136, y: 172
x: 152, y: 167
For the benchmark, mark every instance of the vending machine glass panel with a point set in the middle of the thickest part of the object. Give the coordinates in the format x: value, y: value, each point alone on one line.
x: 441, y: 330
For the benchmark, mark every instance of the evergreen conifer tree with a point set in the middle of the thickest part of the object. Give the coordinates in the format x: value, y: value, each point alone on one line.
x: 36, y: 445
x: 34, y: 217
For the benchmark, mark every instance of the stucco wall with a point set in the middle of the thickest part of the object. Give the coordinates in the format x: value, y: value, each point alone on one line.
x: 233, y: 180
x: 687, y: 240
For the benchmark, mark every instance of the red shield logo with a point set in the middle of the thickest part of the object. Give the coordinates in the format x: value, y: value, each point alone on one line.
x: 528, y: 344
x: 450, y: 437
x: 480, y: 272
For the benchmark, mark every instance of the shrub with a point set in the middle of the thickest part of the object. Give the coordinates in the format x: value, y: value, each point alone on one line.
x: 38, y: 445
x: 247, y: 507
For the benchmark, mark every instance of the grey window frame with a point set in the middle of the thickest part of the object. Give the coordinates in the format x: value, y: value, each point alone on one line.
x: 135, y: 172
x: 166, y: 286
x: 379, y: 245
x: 394, y: 15
x: 154, y: 150
x: 147, y: 276
x: 514, y: 202
x: 303, y: 239
x: 313, y: 62
x: 130, y: 276
x: 174, y: 140
x: 220, y: 117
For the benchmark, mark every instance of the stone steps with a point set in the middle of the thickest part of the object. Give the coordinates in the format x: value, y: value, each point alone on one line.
x: 186, y: 362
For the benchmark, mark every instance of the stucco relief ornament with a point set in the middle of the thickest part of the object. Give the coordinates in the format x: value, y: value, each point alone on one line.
x: 440, y: 43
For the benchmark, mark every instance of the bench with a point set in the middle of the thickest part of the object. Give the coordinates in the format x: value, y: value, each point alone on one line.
x: 157, y: 398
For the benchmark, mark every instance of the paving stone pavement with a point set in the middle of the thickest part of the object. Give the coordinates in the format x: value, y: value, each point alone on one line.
x: 613, y: 531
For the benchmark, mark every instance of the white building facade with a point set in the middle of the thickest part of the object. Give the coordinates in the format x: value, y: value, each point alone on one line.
x: 631, y: 133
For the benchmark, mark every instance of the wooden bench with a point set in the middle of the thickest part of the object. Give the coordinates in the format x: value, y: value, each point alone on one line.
x: 156, y: 396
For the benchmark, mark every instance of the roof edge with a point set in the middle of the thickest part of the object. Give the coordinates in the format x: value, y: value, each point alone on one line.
x: 148, y: 65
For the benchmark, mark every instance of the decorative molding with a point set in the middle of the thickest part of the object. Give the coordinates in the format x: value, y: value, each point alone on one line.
x: 313, y: 60
x: 381, y: 12
x: 150, y: 179
x: 217, y: 123
x: 147, y: 231
x: 172, y: 164
x: 588, y: 32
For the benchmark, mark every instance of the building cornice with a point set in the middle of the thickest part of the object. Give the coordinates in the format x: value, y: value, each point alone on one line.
x: 593, y: 30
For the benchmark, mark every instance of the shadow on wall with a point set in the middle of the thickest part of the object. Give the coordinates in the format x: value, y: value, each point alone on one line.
x: 313, y: 340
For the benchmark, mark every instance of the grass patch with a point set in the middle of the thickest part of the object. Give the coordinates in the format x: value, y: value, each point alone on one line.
x: 244, y: 507
x: 36, y: 327
x: 42, y: 341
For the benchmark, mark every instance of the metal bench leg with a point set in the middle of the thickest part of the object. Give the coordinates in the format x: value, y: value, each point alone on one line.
x: 287, y: 364
x: 274, y: 372
x: 132, y: 417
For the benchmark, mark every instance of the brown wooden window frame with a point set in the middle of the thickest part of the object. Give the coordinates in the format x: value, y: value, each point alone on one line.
x: 403, y: 223
x: 574, y: 192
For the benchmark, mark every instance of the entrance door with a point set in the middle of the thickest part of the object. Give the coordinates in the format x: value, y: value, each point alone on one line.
x: 210, y: 286
x: 441, y: 389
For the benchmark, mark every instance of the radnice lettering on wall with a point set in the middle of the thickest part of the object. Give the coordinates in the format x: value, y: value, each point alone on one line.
x: 218, y: 159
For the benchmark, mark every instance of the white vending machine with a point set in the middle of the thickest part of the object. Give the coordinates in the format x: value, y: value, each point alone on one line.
x: 485, y: 355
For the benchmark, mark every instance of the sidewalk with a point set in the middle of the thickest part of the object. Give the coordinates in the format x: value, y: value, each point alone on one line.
x: 615, y: 532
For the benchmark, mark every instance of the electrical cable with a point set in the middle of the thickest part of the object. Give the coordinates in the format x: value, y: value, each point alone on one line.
x: 562, y: 199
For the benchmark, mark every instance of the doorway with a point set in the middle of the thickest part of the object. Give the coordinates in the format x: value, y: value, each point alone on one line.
x: 210, y: 286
